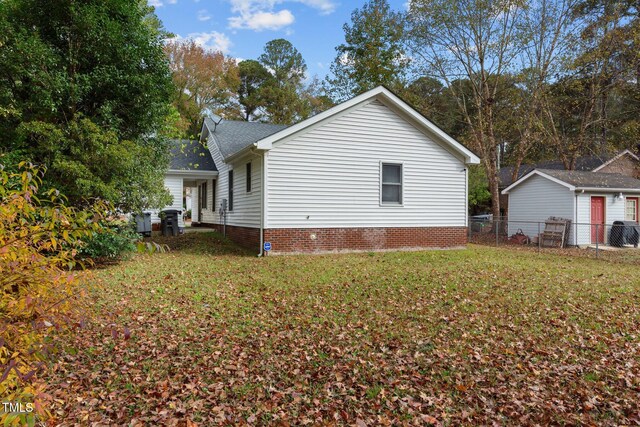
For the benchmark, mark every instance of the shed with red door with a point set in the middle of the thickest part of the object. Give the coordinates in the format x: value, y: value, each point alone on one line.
x: 591, y: 200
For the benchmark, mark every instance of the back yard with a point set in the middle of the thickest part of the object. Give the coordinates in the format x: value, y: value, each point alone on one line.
x: 208, y: 334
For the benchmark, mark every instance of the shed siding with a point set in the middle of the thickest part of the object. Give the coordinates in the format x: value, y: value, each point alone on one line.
x: 329, y: 176
x: 246, y: 206
x: 537, y: 199
x: 613, y: 211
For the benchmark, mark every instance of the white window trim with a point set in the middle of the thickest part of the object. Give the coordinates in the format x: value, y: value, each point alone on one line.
x: 391, y: 204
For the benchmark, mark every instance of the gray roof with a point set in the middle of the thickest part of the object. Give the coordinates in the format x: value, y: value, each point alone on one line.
x: 585, y: 163
x: 585, y: 179
x: 234, y: 136
x: 189, y: 155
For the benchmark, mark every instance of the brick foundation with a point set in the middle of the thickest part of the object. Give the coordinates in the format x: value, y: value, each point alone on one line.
x: 243, y: 236
x: 301, y: 240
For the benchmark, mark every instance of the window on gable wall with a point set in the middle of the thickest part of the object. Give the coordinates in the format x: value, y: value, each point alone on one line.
x: 391, y: 187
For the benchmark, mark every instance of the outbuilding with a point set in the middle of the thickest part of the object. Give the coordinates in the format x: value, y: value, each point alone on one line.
x: 591, y: 200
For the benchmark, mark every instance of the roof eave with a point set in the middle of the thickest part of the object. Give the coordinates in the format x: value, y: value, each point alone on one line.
x: 192, y: 173
x: 607, y: 189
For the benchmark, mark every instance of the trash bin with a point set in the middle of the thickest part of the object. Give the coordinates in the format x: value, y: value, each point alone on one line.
x: 169, y: 222
x: 143, y: 223
x: 616, y: 238
x: 624, y: 233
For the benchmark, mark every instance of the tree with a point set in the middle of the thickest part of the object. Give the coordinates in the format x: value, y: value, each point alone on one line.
x: 432, y: 99
x: 280, y: 94
x: 373, y: 53
x: 476, y: 43
x: 253, y: 77
x: 548, y: 31
x: 82, y: 76
x: 205, y: 81
x: 284, y: 62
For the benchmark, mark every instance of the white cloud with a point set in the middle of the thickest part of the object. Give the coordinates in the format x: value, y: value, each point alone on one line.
x: 160, y: 3
x: 324, y: 6
x: 259, y: 15
x: 203, y: 15
x: 262, y: 20
x: 211, y: 41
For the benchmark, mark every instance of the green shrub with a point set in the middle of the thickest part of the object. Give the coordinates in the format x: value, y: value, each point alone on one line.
x: 114, y: 241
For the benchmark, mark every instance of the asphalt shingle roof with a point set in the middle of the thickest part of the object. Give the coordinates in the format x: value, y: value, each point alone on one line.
x: 234, y: 136
x: 190, y: 155
x: 586, y: 163
x: 585, y: 179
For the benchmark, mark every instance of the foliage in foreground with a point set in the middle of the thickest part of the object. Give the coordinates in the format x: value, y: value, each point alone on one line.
x: 113, y: 241
x: 207, y: 335
x: 38, y: 235
x: 83, y: 86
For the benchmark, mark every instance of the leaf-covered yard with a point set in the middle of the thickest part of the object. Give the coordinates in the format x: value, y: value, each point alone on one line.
x: 208, y: 334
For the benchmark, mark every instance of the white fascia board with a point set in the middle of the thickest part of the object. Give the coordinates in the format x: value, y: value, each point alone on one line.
x: 609, y: 190
x: 470, y: 158
x: 192, y: 173
x: 542, y: 174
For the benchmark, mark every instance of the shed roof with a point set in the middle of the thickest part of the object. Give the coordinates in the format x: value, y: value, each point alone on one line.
x: 583, y: 180
x: 234, y: 136
x: 188, y: 155
x: 584, y: 163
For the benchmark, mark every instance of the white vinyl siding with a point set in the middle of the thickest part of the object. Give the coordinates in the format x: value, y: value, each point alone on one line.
x: 329, y: 176
x: 172, y: 183
x: 246, y: 206
x: 535, y: 200
x: 613, y: 211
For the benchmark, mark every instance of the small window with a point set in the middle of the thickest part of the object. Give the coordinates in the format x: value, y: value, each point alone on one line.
x: 204, y: 195
x: 230, y: 190
x: 391, y: 184
x: 249, y: 177
x: 213, y: 195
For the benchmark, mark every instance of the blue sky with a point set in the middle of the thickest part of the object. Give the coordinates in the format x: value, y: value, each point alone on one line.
x: 240, y: 28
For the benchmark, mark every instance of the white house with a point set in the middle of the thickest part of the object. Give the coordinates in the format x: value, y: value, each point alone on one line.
x: 586, y: 198
x: 191, y: 165
x: 368, y: 174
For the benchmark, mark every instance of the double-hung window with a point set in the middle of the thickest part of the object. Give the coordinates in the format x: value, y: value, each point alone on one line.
x: 391, y: 187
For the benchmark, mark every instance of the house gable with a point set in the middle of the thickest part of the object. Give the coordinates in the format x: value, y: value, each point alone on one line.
x: 393, y: 102
x: 329, y: 175
x: 625, y: 163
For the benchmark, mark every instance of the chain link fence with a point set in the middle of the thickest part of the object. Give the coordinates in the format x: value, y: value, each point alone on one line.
x: 612, y: 241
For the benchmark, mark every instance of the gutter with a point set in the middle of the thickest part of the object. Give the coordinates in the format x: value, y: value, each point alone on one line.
x: 600, y: 189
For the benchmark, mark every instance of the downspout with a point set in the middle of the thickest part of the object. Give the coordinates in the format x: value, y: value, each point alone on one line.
x: 262, y: 190
x: 575, y: 220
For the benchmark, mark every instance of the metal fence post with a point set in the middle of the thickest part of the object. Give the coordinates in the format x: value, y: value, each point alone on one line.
x: 539, y: 238
x: 597, y: 240
x: 497, y: 225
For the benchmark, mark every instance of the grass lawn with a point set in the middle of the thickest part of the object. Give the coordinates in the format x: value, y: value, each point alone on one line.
x: 208, y: 334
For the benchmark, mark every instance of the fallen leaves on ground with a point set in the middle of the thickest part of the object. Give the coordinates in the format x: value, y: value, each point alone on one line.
x: 210, y: 335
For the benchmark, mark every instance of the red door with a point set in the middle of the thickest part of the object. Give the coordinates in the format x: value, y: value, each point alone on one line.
x: 597, y: 217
